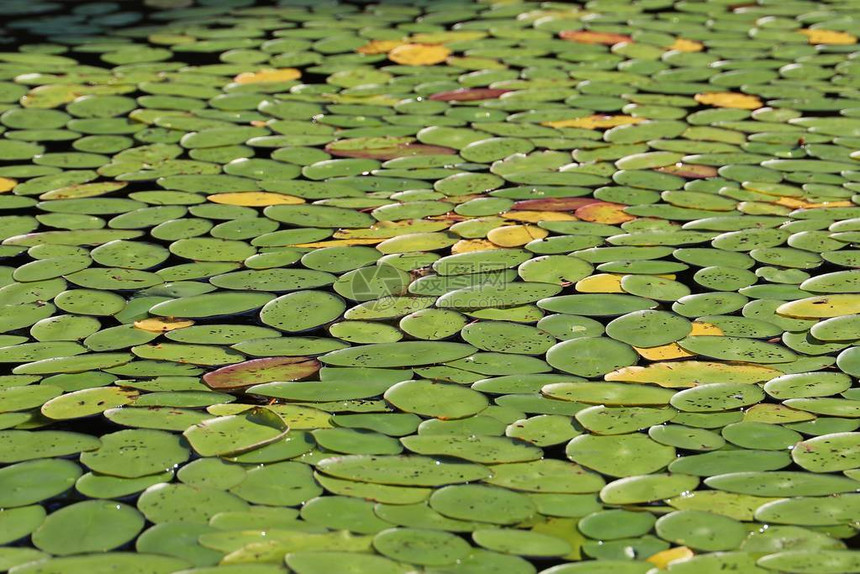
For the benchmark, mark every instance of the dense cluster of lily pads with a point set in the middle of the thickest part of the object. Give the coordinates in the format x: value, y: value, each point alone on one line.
x: 436, y: 286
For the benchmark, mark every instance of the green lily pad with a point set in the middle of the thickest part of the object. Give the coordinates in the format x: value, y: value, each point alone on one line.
x: 184, y: 503
x: 278, y: 484
x: 701, y: 530
x: 425, y: 547
x: 309, y: 562
x: 402, y: 354
x: 178, y: 540
x: 87, y: 402
x: 803, y: 561
x: 780, y: 483
x: 16, y: 523
x: 591, y: 356
x: 235, y: 434
x: 210, y: 305
x: 30, y: 482
x: 90, y: 526
x: 648, y: 328
x: 762, y: 436
x: 22, y: 445
x: 441, y: 400
x: 633, y: 454
x: 550, y: 476
x: 647, y: 488
x: 99, y: 486
x: 486, y: 296
x: 828, y: 453
x: 301, y: 311
x: 476, y: 448
x: 737, y: 349
x: 605, y: 305
x: 809, y: 511
x: 504, y: 337
x: 717, y: 397
x: 130, y: 562
x: 402, y: 470
x: 716, y: 561
x: 521, y: 542
x: 605, y: 393
x: 136, y: 453
x: 482, y: 504
x: 622, y: 420
x: 688, y: 438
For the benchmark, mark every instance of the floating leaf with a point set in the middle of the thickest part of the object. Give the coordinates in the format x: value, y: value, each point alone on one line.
x: 234, y: 434
x: 821, y: 36
x: 595, y: 122
x: 254, y: 199
x: 587, y: 37
x: 468, y: 94
x: 265, y: 76
x: 90, y: 526
x: 402, y: 470
x: 729, y: 100
x: 419, y: 54
x: 257, y: 371
x: 469, y: 287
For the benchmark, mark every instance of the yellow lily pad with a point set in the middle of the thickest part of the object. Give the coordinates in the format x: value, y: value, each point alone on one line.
x: 795, y: 203
x: 469, y: 245
x: 265, y: 76
x: 419, y: 54
x: 685, y: 45
x: 162, y: 324
x: 595, y: 122
x: 600, y: 283
x: 686, y: 374
x: 663, y: 352
x: 516, y: 235
x: 816, y: 36
x: 705, y: 329
x: 821, y: 306
x: 379, y: 46
x: 7, y: 184
x: 538, y: 216
x: 729, y: 100
x: 340, y: 243
x: 664, y: 558
x: 254, y: 199
x: 775, y: 414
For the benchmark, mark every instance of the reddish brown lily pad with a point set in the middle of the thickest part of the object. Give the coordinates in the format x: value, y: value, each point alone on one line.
x: 603, y: 212
x: 469, y: 94
x: 383, y: 148
x: 554, y: 204
x: 586, y: 37
x: 258, y: 371
x: 689, y: 171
